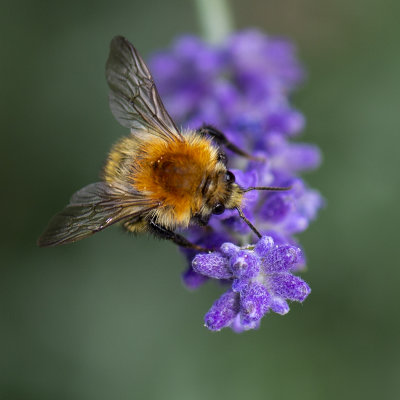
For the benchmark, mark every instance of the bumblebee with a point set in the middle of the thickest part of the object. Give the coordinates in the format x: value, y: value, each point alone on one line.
x: 158, y: 178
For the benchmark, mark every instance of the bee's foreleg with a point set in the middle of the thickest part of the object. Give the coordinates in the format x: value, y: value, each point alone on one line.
x: 164, y: 233
x: 222, y: 140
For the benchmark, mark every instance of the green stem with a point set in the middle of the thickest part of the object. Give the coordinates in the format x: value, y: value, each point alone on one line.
x: 216, y: 19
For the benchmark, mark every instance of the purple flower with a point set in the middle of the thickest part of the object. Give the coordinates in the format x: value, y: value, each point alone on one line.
x: 262, y: 280
x: 242, y: 84
x: 242, y: 87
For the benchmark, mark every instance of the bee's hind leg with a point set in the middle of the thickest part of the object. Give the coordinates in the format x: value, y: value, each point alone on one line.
x: 164, y: 233
x: 222, y: 140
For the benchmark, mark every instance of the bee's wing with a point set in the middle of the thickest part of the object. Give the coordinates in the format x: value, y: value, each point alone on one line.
x: 134, y: 99
x: 92, y: 209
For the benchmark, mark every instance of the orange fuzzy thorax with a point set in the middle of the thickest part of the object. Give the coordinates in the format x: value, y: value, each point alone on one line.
x: 172, y: 173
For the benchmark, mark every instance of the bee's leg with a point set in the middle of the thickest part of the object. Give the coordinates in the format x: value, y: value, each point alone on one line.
x: 164, y: 233
x: 221, y: 140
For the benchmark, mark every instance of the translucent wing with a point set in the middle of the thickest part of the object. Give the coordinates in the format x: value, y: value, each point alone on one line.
x: 92, y: 209
x: 134, y: 99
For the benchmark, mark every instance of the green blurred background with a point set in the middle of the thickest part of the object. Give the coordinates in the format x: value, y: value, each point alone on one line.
x: 108, y: 318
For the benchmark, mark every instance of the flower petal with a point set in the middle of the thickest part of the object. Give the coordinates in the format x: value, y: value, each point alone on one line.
x: 245, y: 264
x: 254, y: 302
x: 213, y: 265
x: 281, y: 258
x: 289, y: 287
x: 223, y: 311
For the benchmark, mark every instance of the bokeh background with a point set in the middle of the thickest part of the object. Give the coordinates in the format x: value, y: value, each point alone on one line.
x: 108, y: 318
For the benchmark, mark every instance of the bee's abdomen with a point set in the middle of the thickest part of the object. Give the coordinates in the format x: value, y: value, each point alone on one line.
x: 121, y: 157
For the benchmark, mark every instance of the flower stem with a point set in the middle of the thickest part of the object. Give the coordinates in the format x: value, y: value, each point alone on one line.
x: 216, y: 19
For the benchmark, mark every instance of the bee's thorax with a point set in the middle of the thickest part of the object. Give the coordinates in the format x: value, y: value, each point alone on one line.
x: 186, y: 178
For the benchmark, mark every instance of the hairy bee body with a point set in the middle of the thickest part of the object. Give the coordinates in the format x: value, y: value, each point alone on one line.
x: 186, y: 178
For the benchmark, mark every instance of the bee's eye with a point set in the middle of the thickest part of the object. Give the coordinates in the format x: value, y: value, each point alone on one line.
x: 218, y: 209
x: 229, y: 177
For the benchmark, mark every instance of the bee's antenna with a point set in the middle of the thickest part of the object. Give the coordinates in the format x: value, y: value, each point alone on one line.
x: 251, y: 226
x: 266, y: 188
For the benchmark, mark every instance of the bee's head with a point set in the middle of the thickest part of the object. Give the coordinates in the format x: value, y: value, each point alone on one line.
x: 227, y: 194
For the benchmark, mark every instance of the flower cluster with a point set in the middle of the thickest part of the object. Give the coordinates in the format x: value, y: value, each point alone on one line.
x: 261, y: 281
x: 242, y: 87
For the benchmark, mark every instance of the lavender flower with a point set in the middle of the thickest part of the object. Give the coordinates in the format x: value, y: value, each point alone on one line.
x: 242, y: 87
x: 262, y: 280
